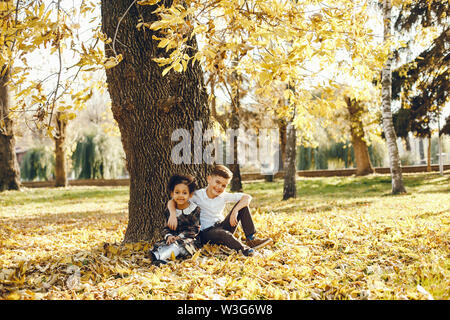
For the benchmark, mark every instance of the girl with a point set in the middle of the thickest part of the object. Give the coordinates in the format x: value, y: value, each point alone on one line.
x: 182, y: 241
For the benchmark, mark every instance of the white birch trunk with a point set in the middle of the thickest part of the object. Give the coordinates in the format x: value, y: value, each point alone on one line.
x: 388, y: 127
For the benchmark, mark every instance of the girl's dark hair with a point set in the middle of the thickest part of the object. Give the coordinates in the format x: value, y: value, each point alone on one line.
x: 184, y: 179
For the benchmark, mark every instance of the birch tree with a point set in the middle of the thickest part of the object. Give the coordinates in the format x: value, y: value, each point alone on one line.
x: 388, y: 126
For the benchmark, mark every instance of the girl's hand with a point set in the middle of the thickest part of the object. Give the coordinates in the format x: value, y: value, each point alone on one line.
x: 171, y: 239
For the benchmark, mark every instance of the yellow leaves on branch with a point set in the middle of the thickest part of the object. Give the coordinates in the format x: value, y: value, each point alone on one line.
x: 272, y: 41
x: 112, y: 61
x: 42, y: 25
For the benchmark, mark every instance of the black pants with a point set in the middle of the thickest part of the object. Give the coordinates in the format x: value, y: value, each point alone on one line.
x: 222, y: 232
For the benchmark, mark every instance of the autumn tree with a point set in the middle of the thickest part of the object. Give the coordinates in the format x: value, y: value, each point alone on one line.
x: 290, y: 169
x: 236, y: 79
x: 34, y: 25
x: 355, y: 110
x: 276, y: 42
x: 149, y: 107
x: 9, y: 168
x: 60, y: 150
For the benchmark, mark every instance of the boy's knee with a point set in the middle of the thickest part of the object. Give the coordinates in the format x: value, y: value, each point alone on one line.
x: 244, y: 210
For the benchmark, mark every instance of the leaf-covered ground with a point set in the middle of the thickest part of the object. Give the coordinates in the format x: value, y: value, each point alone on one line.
x: 342, y: 238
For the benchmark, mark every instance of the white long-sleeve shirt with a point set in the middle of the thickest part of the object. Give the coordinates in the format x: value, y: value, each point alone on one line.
x: 211, y: 209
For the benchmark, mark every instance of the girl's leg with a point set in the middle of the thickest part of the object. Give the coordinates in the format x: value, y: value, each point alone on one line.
x: 165, y: 252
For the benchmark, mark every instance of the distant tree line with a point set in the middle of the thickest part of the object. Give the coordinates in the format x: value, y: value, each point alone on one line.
x: 96, y: 156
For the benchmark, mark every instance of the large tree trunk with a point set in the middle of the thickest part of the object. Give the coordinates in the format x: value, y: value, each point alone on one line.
x: 148, y: 108
x: 388, y: 127
x: 9, y: 167
x: 60, y: 151
x: 290, y: 172
x: 236, y: 181
x: 362, y: 158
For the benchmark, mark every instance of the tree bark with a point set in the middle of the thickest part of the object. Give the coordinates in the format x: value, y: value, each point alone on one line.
x: 9, y: 167
x: 290, y: 172
x: 148, y: 108
x: 60, y: 152
x: 362, y: 158
x: 429, y: 153
x: 282, y: 132
x: 386, y: 91
x: 236, y: 181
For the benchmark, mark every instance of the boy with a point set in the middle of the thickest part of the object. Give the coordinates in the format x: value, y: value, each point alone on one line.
x: 214, y: 228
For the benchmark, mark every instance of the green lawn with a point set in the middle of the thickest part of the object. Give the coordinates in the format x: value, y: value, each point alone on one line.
x: 341, y: 238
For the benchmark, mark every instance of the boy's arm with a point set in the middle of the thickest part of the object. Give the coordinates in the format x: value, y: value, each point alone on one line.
x: 172, y: 221
x: 244, y: 202
x: 166, y: 232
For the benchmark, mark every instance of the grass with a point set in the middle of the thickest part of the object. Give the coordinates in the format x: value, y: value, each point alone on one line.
x: 341, y: 238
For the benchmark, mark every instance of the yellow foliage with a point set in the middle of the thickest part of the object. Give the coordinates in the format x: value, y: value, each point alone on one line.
x: 327, y: 245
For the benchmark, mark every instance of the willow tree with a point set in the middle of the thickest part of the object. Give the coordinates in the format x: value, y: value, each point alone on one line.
x: 149, y: 107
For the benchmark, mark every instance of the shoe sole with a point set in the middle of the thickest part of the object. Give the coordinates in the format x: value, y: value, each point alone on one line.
x: 262, y: 244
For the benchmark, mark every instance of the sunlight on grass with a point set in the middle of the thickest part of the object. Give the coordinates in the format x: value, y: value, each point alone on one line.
x: 341, y: 238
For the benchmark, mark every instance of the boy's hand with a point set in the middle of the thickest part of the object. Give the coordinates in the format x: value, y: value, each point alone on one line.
x: 172, y: 221
x: 233, y: 218
x: 171, y: 239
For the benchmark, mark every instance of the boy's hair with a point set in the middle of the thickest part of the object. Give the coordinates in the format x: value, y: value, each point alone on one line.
x: 186, y: 179
x: 221, y: 171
